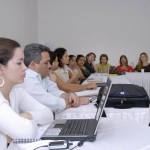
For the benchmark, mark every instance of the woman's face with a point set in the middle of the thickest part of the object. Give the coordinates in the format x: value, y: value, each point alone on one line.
x: 81, y: 61
x: 123, y: 61
x: 55, y: 64
x: 143, y: 58
x: 72, y: 62
x: 103, y: 60
x: 65, y: 59
x: 91, y: 58
x: 14, y: 71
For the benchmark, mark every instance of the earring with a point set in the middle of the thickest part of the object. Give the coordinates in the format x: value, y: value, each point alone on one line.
x: 2, y: 82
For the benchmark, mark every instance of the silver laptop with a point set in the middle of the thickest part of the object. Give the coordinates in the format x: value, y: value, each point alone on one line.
x: 78, y: 129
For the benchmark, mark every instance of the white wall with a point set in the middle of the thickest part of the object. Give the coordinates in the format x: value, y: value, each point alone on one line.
x: 113, y: 27
x: 18, y: 20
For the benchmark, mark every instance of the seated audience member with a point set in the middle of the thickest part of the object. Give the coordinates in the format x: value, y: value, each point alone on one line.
x: 67, y: 87
x: 20, y: 114
x: 90, y: 58
x: 113, y: 70
x: 73, y: 68
x: 37, y: 82
x: 80, y: 62
x: 143, y: 63
x: 63, y: 71
x: 124, y: 67
x: 103, y: 66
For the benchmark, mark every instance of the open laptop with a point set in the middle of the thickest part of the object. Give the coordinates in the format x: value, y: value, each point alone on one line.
x: 78, y: 129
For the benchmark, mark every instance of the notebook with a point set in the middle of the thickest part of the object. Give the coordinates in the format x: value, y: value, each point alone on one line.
x: 92, y: 92
x: 99, y: 80
x: 78, y: 129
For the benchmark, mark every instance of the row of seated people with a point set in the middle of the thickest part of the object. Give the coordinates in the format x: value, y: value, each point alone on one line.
x: 103, y: 65
x: 29, y: 90
x: 28, y: 98
x: 76, y: 69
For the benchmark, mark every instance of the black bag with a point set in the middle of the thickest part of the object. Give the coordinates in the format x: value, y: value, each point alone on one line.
x: 127, y: 96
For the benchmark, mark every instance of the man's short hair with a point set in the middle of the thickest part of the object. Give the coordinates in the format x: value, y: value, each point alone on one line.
x: 32, y: 52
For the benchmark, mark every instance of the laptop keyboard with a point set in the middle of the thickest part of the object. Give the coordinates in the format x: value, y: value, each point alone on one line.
x: 74, y: 127
x: 53, y: 131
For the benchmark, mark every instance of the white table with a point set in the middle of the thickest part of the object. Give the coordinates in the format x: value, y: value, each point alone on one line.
x: 88, y: 111
x: 84, y: 111
x: 141, y: 115
x: 111, y: 135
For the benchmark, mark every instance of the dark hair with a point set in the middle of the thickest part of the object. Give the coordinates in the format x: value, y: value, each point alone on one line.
x: 103, y: 55
x: 52, y: 57
x: 7, y: 48
x: 60, y: 52
x: 71, y: 57
x: 32, y: 52
x: 78, y: 57
x: 91, y: 53
x: 123, y: 56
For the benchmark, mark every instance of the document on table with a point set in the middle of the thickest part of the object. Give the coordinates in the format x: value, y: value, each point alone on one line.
x: 97, y: 79
x: 88, y: 92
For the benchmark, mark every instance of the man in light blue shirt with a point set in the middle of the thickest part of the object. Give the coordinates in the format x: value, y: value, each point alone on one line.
x: 38, y: 84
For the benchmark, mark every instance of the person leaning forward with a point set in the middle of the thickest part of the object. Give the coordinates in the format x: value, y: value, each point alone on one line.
x: 37, y: 82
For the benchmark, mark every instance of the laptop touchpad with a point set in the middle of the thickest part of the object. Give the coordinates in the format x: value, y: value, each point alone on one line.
x: 58, y: 125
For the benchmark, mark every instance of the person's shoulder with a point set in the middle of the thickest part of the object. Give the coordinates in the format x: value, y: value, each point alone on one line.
x: 97, y: 64
x: 56, y: 71
x: 118, y: 66
x: 18, y: 89
x: 86, y: 63
x: 148, y: 66
x: 2, y: 99
x: 108, y: 64
x: 66, y: 67
x: 30, y: 72
x: 17, y: 93
x: 129, y: 66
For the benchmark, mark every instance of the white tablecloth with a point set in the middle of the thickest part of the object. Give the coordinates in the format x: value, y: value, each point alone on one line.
x: 88, y: 111
x: 112, y: 135
x: 84, y: 111
x: 117, y: 134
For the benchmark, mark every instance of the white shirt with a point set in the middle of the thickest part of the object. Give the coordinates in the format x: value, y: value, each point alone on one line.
x: 63, y: 73
x: 44, y: 90
x: 17, y: 127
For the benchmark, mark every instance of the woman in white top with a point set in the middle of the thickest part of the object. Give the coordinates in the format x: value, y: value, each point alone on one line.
x: 20, y: 114
x: 73, y: 68
x: 63, y: 71
x: 67, y: 87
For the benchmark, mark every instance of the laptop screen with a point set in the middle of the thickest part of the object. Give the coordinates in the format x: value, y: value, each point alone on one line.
x: 103, y: 98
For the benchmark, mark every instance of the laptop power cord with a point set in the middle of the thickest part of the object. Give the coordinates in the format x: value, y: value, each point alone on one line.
x: 40, y: 147
x: 57, y: 145
x: 78, y: 145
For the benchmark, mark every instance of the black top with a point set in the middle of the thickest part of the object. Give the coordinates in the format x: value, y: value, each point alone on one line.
x: 86, y: 72
x: 146, y: 68
x: 90, y: 67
